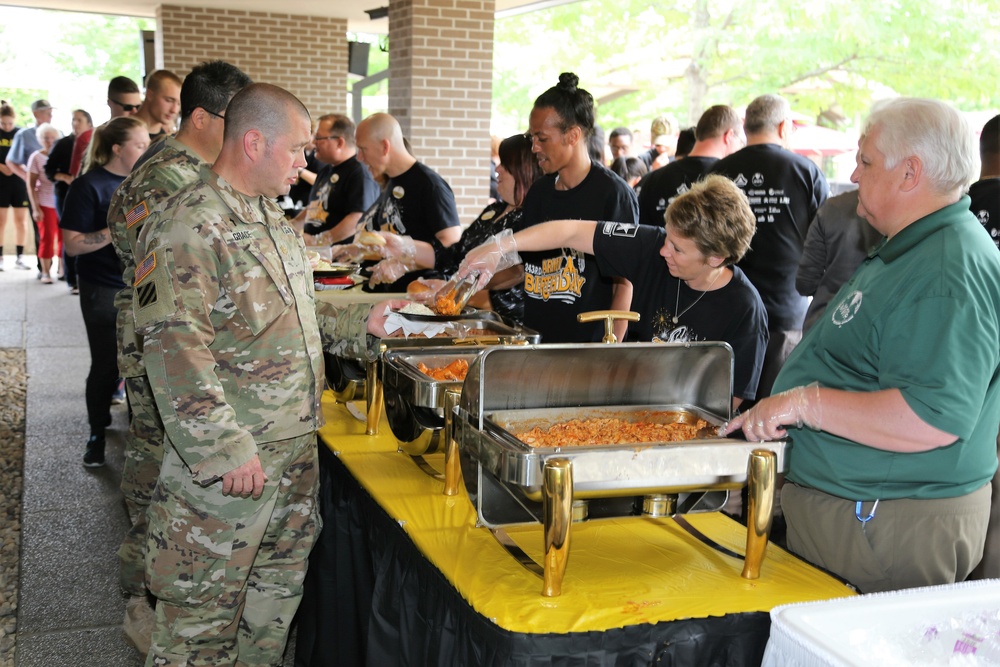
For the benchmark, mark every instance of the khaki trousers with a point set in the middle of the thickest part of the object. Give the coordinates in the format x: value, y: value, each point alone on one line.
x: 908, y: 543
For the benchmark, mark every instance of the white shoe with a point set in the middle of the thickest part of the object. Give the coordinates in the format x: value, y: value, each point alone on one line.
x: 21, y: 265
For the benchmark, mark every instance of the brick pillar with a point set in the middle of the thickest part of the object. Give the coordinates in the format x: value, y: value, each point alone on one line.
x: 441, y: 89
x: 306, y: 55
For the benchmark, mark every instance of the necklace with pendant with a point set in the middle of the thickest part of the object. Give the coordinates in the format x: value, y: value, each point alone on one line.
x: 676, y: 318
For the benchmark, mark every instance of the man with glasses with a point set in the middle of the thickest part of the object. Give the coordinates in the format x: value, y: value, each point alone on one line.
x: 165, y: 168
x: 163, y: 102
x: 343, y: 190
x: 123, y: 100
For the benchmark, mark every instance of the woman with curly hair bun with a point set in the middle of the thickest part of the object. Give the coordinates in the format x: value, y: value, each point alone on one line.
x: 560, y: 283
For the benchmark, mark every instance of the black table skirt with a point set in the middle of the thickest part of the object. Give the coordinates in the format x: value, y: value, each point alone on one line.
x: 371, y: 598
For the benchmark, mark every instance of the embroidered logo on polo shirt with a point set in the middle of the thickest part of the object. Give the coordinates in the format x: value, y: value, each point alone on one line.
x: 847, y: 309
x: 740, y: 181
x: 757, y: 180
x: 136, y: 215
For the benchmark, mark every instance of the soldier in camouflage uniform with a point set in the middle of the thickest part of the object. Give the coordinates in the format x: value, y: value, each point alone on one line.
x: 224, y: 301
x: 162, y: 171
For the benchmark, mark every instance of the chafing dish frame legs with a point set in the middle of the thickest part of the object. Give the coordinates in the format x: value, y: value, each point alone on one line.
x: 557, y: 508
x: 452, y: 464
x: 761, y: 473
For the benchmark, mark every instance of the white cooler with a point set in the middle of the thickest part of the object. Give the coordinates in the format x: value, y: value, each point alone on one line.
x: 956, y: 625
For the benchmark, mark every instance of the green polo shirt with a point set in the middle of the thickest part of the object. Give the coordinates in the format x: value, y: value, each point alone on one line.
x: 922, y: 315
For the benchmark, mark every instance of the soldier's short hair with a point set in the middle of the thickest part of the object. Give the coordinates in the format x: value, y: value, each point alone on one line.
x: 264, y: 107
x: 210, y: 86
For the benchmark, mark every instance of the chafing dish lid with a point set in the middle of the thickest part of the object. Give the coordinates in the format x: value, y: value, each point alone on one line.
x: 537, y: 376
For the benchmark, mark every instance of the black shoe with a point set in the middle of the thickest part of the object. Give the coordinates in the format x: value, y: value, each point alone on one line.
x: 94, y: 456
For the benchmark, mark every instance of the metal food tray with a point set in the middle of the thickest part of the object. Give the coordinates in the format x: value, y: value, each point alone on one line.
x: 415, y: 402
x: 401, y: 375
x: 603, y: 471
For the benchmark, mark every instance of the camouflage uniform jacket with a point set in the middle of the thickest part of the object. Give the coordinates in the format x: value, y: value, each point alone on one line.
x: 133, y: 205
x: 224, y: 298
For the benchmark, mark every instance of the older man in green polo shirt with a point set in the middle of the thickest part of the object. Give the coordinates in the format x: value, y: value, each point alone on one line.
x: 893, y: 399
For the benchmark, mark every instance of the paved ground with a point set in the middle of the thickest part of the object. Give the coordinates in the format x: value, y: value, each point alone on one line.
x: 70, y: 608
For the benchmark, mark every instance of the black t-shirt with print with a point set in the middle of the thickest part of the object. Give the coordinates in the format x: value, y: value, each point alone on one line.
x: 733, y: 313
x: 559, y: 284
x: 660, y: 187
x: 784, y: 190
x: 341, y: 190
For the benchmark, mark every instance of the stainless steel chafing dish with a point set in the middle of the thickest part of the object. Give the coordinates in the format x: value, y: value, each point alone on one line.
x: 355, y: 379
x: 417, y: 405
x: 508, y: 390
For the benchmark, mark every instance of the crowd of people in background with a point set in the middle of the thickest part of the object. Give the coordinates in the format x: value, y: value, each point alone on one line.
x: 182, y: 223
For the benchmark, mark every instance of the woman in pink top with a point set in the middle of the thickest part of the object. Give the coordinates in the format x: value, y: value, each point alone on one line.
x: 41, y: 194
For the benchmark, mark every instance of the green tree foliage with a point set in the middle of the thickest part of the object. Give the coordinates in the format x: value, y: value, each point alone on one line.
x: 645, y: 57
x: 102, y: 47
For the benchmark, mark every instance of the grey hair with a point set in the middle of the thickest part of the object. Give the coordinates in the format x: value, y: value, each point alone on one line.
x: 47, y: 128
x: 931, y: 130
x: 766, y: 113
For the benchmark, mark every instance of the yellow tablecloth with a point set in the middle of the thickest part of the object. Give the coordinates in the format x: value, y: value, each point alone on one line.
x: 621, y: 571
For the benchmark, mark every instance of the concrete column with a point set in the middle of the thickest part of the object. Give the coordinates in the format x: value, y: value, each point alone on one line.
x: 441, y: 89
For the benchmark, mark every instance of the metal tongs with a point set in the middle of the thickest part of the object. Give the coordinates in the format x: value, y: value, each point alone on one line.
x: 456, y: 291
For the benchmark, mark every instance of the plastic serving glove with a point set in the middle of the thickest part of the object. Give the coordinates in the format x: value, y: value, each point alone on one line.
x: 493, y: 256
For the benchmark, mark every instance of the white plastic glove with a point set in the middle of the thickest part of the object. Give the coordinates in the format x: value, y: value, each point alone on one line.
x: 390, y: 270
x: 799, y: 406
x: 496, y: 254
x: 399, y: 247
x: 350, y: 253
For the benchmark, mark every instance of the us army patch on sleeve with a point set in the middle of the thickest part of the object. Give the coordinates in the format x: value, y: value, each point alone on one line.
x: 626, y: 229
x: 153, y: 295
x: 145, y: 267
x: 136, y: 215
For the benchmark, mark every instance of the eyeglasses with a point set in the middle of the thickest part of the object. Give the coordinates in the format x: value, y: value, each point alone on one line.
x: 212, y: 113
x: 329, y: 136
x: 127, y: 107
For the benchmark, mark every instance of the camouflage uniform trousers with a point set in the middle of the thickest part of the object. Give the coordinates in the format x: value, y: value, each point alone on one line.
x: 143, y: 453
x: 227, y: 572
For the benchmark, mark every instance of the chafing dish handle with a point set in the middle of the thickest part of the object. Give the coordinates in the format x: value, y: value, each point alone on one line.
x: 452, y: 462
x: 760, y: 508
x: 557, y: 508
x: 609, y: 317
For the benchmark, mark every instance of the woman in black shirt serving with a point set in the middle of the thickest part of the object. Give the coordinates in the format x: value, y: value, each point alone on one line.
x: 517, y: 171
x: 686, y: 285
